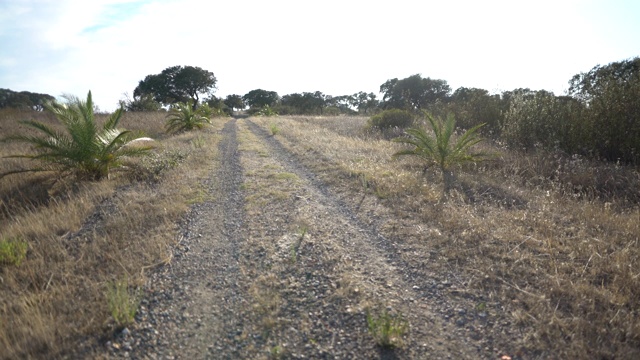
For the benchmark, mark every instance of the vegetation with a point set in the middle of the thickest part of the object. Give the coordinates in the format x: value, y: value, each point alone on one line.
x: 144, y: 102
x: 182, y: 117
x: 610, y: 96
x: 12, y: 252
x: 266, y: 110
x: 259, y: 98
x: 234, y: 102
x: 544, y: 240
x: 473, y: 106
x: 23, y: 100
x: 305, y: 103
x: 83, y: 149
x: 218, y: 106
x: 441, y: 149
x: 177, y: 84
x: 83, y: 235
x: 393, y: 118
x: 387, y: 329
x: 274, y: 129
x: 542, y: 243
x: 414, y: 92
x: 123, y: 301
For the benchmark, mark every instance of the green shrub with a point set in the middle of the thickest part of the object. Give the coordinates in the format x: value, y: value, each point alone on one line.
x: 541, y: 119
x: 12, y: 252
x: 140, y: 103
x: 183, y: 117
x: 264, y: 111
x: 391, y: 119
x: 439, y: 147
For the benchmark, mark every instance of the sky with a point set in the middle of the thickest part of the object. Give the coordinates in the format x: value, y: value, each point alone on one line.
x: 336, y: 47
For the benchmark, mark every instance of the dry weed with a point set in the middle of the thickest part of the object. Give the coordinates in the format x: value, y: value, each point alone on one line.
x: 81, y: 236
x: 547, y: 239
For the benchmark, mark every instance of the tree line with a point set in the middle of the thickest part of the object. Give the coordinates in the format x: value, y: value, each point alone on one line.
x: 598, y: 117
x: 23, y: 100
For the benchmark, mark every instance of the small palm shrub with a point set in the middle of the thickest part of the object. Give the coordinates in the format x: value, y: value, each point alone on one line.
x: 393, y: 118
x: 440, y: 149
x: 83, y: 148
x: 183, y: 117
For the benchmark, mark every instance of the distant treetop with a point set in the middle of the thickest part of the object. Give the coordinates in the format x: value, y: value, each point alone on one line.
x: 177, y: 84
x: 23, y: 99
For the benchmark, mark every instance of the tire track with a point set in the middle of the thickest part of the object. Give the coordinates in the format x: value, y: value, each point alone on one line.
x: 194, y: 307
x: 360, y: 251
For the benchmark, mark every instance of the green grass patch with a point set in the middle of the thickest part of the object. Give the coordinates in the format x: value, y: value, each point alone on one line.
x: 12, y: 251
x: 123, y: 300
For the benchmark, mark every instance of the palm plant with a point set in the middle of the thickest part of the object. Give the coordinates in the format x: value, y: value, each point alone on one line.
x: 441, y: 150
x: 183, y: 117
x: 83, y: 148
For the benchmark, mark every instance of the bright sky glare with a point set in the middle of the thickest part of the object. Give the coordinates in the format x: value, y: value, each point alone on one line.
x: 337, y: 47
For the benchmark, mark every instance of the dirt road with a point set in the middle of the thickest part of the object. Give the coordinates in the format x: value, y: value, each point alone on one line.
x: 275, y: 265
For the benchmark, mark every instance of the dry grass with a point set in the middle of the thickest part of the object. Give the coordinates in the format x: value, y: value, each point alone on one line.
x: 82, y: 236
x: 549, y: 240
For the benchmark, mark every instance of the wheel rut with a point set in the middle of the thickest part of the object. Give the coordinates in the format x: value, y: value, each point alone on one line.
x: 273, y: 265
x: 193, y: 307
x: 349, y: 260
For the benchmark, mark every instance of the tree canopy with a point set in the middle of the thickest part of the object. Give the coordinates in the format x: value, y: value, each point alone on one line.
x: 260, y: 98
x: 177, y: 84
x: 234, y: 102
x: 24, y: 99
x: 611, y: 96
x: 414, y: 92
x: 305, y: 103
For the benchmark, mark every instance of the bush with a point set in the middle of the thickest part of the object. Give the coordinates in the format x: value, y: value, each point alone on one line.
x: 140, y: 103
x: 391, y: 119
x: 263, y: 111
x: 541, y: 119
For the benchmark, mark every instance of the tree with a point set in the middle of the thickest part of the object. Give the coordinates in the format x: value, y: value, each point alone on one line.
x: 611, y: 95
x: 217, y: 106
x: 234, y: 102
x: 24, y: 99
x: 89, y: 152
x: 414, y: 92
x: 177, y: 84
x: 440, y: 150
x: 364, y: 102
x: 305, y: 103
x: 473, y: 106
x: 259, y: 98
